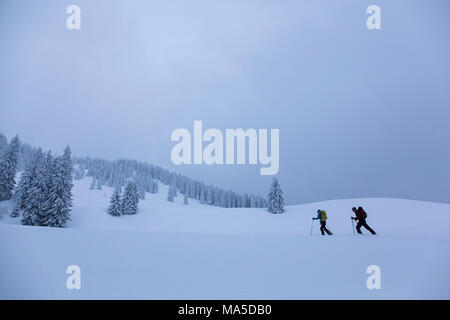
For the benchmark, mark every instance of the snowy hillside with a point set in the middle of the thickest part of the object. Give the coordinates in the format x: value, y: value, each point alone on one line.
x: 176, y: 251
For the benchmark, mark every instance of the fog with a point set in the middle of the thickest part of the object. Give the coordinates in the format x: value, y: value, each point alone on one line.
x: 361, y: 113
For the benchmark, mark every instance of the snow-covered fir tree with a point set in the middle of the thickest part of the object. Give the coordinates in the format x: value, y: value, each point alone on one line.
x: 22, y: 191
x: 44, y: 184
x: 185, y: 200
x: 174, y: 189
x: 37, y: 204
x: 8, y: 169
x: 141, y: 191
x: 28, y: 197
x: 59, y: 199
x: 99, y: 185
x: 252, y: 201
x: 203, y: 194
x: 130, y: 199
x: 3, y: 143
x: 171, y: 193
x: 115, y: 207
x: 230, y: 199
x: 275, y: 201
x: 224, y: 199
x: 210, y: 195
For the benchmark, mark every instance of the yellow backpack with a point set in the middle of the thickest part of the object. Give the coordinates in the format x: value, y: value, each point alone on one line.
x: 323, y: 215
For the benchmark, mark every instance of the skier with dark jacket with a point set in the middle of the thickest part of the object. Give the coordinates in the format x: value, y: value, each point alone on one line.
x: 322, y: 217
x: 360, y: 216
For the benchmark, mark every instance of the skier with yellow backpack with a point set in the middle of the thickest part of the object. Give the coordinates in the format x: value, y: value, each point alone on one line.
x: 322, y: 217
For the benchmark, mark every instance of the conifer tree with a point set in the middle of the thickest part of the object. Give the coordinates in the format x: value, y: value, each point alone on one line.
x: 203, y: 195
x: 36, y: 206
x: 210, y: 195
x: 275, y: 201
x: 224, y: 199
x: 174, y: 189
x: 185, y: 200
x: 8, y: 169
x: 3, y: 143
x: 130, y: 199
x: 115, y: 207
x: 171, y: 193
x: 141, y: 192
x: 22, y: 191
x: 59, y: 199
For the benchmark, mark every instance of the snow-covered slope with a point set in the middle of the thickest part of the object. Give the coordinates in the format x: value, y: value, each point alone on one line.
x: 170, y: 250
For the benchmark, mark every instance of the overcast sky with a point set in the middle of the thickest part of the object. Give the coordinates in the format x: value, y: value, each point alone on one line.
x: 361, y: 113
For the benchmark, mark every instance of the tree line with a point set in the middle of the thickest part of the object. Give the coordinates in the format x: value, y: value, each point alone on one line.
x: 44, y: 192
x: 146, y: 177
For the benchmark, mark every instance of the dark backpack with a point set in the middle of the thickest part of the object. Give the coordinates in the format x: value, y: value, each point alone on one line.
x: 362, y: 213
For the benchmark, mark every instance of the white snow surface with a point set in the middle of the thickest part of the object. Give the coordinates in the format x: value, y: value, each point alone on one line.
x: 175, y: 251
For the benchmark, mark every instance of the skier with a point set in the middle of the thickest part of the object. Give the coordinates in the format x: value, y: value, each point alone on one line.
x: 322, y: 216
x: 361, y: 217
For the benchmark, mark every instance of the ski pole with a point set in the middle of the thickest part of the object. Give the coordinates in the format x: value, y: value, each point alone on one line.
x: 353, y: 225
x: 312, y: 223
